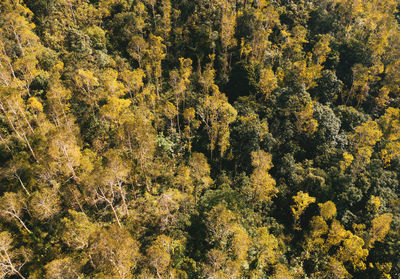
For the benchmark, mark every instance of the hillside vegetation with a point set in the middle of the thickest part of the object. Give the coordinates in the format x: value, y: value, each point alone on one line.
x: 199, y: 139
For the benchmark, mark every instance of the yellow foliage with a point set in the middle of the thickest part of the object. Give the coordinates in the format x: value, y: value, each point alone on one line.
x: 262, y: 184
x: 318, y: 227
x: 385, y: 268
x: 359, y: 229
x: 367, y: 134
x: 352, y: 251
x: 189, y: 114
x: 170, y: 110
x: 159, y: 253
x: 86, y: 79
x: 115, y: 109
x: 110, y: 83
x: 297, y: 37
x: 268, y: 82
x: 267, y: 247
x: 245, y: 48
x: 337, y: 270
x: 364, y: 139
x: 34, y: 104
x: 322, y: 49
x: 228, y: 24
x: 374, y: 204
x: 380, y: 228
x: 281, y: 272
x: 217, y: 114
x: 390, y: 124
x: 305, y: 121
x: 328, y: 210
x: 133, y: 79
x: 200, y: 173
x: 240, y: 243
x: 45, y: 203
x: 307, y: 72
x: 336, y: 235
x: 302, y: 201
x: 347, y: 160
x: 61, y: 268
x: 360, y: 87
x: 390, y: 152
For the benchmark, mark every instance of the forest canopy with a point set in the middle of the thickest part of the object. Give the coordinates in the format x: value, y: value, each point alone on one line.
x: 199, y: 139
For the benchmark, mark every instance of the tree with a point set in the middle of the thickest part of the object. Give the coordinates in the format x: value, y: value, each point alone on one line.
x: 216, y: 114
x: 11, y: 259
x: 179, y: 81
x: 159, y: 254
x: 227, y: 34
x: 364, y: 139
x: 87, y: 82
x: 266, y: 18
x: 380, y: 228
x: 137, y: 48
x: 301, y: 202
x: 109, y: 107
x: 76, y: 231
x: 45, y: 203
x: 336, y: 234
x: 352, y: 251
x: 133, y: 80
x: 153, y: 57
x: 62, y: 268
x: 170, y: 210
x: 14, y: 111
x: 328, y: 210
x: 267, y: 249
x: 281, y: 271
x: 164, y: 26
x: 114, y: 252
x: 389, y: 124
x: 337, y: 270
x: 11, y: 206
x: 64, y: 151
x: 305, y: 121
x: 346, y: 162
x: 114, y: 108
x: 200, y: 173
x: 192, y: 124
x: 230, y: 240
x: 21, y: 44
x: 262, y: 184
x: 139, y: 137
x: 268, y: 82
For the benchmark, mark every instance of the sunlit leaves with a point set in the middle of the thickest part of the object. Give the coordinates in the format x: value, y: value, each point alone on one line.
x: 301, y: 202
x: 262, y: 187
x: 216, y: 113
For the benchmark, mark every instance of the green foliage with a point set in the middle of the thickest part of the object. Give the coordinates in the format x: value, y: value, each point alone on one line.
x: 199, y: 139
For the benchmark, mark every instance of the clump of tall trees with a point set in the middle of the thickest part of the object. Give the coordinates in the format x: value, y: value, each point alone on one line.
x: 199, y: 139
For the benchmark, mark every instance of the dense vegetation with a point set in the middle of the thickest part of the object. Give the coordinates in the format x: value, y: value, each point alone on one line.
x: 199, y: 139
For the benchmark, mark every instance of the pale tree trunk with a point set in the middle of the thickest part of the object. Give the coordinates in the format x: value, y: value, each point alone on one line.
x: 23, y: 138
x: 22, y: 184
x: 5, y: 143
x: 102, y: 196
x: 26, y: 119
x: 30, y: 148
x: 123, y: 197
x: 11, y: 266
x: 18, y: 40
x: 12, y: 70
x: 19, y: 219
x: 69, y: 164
